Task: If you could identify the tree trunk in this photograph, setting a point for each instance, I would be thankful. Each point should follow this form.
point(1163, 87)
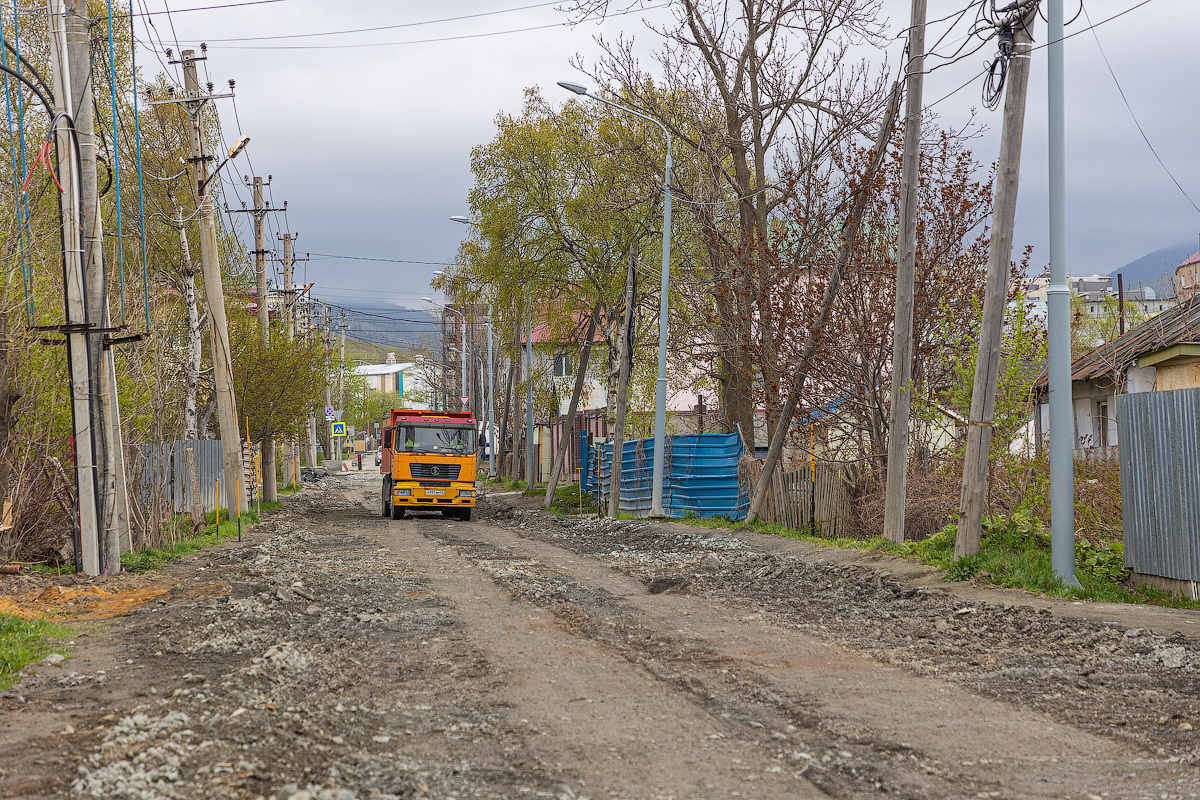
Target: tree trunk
point(858, 205)
point(568, 427)
point(191, 362)
point(504, 415)
point(626, 355)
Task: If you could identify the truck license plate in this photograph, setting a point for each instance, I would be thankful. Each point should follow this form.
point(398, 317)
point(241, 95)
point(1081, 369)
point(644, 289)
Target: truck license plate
point(434, 491)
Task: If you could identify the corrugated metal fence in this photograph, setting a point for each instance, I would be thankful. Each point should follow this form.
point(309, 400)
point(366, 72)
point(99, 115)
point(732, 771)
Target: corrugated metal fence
point(700, 475)
point(1160, 482)
point(164, 468)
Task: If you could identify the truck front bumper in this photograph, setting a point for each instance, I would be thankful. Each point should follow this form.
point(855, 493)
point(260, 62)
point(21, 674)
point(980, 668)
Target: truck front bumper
point(411, 494)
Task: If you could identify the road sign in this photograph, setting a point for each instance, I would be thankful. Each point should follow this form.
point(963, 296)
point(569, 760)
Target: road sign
point(339, 429)
point(465, 401)
point(330, 418)
point(337, 414)
point(329, 411)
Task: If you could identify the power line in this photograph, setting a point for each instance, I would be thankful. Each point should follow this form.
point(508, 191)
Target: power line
point(428, 41)
point(328, 256)
point(381, 27)
point(198, 8)
point(1133, 116)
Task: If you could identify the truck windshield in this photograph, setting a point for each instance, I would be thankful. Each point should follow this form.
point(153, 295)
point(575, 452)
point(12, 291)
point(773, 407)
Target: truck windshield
point(459, 440)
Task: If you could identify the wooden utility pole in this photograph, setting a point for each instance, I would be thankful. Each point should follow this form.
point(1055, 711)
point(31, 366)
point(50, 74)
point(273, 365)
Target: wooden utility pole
point(568, 426)
point(995, 298)
point(858, 205)
point(899, 433)
point(214, 291)
point(626, 354)
point(83, 411)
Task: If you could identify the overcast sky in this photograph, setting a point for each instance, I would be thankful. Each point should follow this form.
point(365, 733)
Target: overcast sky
point(370, 145)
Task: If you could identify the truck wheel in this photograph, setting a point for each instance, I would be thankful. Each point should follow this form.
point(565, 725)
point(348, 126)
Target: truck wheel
point(387, 499)
point(465, 514)
point(397, 512)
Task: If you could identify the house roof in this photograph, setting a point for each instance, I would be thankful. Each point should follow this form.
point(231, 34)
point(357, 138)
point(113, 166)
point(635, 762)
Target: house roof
point(382, 369)
point(1175, 325)
point(1192, 259)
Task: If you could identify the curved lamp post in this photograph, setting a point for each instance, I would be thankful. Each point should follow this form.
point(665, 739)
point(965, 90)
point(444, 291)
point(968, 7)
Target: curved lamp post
point(660, 396)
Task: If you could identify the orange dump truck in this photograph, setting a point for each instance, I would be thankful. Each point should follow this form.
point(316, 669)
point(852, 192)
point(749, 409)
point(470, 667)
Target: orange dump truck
point(428, 463)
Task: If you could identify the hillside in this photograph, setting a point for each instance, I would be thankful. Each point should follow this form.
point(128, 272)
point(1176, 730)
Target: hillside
point(1156, 269)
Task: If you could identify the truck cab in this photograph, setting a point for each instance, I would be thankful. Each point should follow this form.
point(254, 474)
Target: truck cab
point(428, 462)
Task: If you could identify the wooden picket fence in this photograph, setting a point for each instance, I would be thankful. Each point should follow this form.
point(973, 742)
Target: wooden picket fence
point(789, 498)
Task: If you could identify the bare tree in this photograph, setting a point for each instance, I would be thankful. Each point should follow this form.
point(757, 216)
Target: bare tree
point(751, 88)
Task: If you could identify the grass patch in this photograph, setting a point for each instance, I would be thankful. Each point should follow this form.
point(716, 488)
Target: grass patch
point(1014, 553)
point(567, 500)
point(152, 558)
point(23, 641)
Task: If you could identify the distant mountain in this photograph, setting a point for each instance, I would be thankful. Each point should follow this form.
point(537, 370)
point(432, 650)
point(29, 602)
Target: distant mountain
point(1157, 269)
point(389, 325)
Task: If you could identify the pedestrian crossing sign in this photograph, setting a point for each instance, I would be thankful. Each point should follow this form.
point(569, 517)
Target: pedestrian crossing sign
point(339, 429)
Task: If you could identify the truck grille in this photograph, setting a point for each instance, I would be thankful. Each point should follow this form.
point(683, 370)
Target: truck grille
point(437, 471)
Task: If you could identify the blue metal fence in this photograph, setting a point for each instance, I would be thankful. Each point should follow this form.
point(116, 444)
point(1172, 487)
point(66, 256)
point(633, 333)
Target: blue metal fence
point(700, 475)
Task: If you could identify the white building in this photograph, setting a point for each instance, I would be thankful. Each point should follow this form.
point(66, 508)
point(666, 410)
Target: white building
point(405, 378)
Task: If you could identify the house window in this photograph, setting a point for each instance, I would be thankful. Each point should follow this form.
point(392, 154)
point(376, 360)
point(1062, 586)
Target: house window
point(1102, 424)
point(563, 368)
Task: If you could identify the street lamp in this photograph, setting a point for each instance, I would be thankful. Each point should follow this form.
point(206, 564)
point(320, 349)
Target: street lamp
point(459, 218)
point(660, 397)
point(234, 151)
point(463, 371)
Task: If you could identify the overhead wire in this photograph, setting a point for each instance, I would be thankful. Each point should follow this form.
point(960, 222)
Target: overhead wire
point(382, 27)
point(17, 195)
point(116, 165)
point(137, 132)
point(459, 37)
point(1133, 116)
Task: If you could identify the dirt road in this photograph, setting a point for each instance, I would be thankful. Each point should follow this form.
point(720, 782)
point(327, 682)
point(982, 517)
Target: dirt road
point(336, 655)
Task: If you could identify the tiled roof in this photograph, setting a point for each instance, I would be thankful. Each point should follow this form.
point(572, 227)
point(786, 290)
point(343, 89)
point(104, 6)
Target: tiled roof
point(1192, 259)
point(1175, 325)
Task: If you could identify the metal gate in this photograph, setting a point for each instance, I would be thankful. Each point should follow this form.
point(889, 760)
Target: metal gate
point(1160, 482)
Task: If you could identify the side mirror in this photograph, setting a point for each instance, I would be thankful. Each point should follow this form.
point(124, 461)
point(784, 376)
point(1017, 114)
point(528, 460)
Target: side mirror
point(387, 437)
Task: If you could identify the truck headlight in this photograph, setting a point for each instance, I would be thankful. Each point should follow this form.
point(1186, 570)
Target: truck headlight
point(466, 492)
point(402, 492)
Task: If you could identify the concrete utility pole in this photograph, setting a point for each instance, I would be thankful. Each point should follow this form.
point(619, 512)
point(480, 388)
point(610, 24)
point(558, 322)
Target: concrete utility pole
point(289, 302)
point(327, 335)
point(991, 330)
point(341, 378)
point(906, 268)
point(214, 292)
point(109, 457)
point(83, 412)
point(1058, 313)
point(259, 212)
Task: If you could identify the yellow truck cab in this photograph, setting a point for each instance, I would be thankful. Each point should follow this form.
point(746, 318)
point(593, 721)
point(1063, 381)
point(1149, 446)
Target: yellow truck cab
point(428, 463)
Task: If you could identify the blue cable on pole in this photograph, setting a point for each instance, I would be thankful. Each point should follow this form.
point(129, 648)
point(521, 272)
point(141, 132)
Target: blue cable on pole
point(137, 137)
point(23, 201)
point(16, 175)
point(112, 85)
